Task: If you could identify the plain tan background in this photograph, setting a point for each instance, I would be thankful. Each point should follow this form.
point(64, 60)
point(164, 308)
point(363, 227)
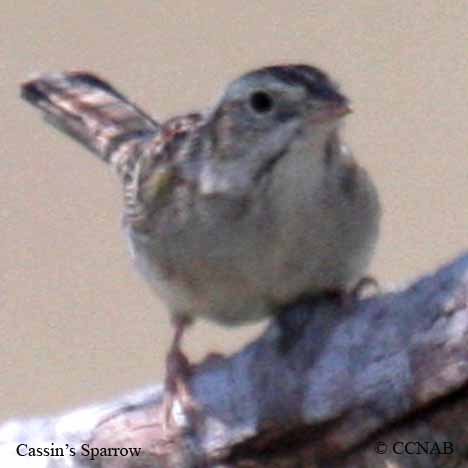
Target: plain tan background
point(77, 324)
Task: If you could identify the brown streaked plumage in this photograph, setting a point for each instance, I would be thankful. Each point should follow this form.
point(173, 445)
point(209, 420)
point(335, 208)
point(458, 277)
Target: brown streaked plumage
point(89, 109)
point(237, 212)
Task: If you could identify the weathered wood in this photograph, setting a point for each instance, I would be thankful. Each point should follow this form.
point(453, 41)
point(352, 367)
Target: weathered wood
point(352, 379)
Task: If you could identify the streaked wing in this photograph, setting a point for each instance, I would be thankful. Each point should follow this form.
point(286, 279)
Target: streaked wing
point(89, 110)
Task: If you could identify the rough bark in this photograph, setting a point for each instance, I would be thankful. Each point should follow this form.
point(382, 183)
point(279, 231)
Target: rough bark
point(331, 387)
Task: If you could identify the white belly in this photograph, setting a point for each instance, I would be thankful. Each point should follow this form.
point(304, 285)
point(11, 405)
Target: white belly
point(238, 271)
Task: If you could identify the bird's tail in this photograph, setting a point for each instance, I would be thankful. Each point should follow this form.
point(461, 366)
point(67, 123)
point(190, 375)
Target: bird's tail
point(89, 110)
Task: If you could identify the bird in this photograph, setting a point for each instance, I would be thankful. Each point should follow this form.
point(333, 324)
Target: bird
point(234, 212)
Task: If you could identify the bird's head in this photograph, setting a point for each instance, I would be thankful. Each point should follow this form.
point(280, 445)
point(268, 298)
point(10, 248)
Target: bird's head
point(266, 115)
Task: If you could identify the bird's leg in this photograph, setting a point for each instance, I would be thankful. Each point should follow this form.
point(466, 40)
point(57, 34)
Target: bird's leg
point(178, 372)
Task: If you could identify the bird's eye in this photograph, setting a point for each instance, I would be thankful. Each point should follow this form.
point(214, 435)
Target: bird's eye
point(261, 102)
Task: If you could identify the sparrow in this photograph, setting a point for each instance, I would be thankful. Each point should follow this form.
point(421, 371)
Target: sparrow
point(234, 212)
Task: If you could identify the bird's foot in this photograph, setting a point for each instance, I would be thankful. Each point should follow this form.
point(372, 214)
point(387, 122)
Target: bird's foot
point(347, 298)
point(292, 324)
point(180, 411)
point(179, 408)
point(362, 287)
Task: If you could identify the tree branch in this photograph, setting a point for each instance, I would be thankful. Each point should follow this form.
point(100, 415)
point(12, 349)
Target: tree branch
point(330, 387)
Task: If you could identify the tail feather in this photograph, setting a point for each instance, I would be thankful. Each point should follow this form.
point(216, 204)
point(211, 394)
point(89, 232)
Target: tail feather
point(89, 110)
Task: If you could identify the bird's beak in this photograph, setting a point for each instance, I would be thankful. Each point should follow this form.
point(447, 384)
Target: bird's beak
point(331, 110)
